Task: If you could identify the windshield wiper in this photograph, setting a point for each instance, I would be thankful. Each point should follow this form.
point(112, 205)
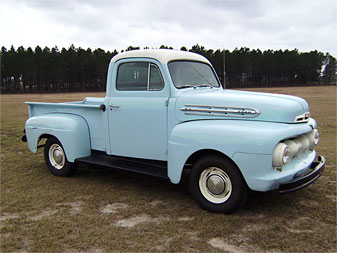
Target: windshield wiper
point(204, 85)
point(195, 86)
point(186, 86)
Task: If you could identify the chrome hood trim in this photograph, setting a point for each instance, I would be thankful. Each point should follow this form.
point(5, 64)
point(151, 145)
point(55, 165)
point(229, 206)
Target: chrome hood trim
point(224, 111)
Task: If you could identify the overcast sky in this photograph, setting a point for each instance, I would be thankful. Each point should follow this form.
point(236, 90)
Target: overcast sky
point(116, 24)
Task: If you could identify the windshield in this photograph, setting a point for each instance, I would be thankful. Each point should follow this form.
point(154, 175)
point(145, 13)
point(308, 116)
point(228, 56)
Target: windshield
point(186, 74)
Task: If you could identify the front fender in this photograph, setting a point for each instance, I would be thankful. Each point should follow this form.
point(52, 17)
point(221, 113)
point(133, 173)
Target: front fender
point(71, 130)
point(228, 137)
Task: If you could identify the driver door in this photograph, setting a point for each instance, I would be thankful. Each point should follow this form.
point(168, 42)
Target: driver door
point(138, 111)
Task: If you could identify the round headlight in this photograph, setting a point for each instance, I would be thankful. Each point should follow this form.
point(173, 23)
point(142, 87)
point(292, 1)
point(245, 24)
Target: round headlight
point(280, 155)
point(316, 135)
point(305, 142)
point(285, 157)
point(299, 144)
point(313, 138)
point(293, 148)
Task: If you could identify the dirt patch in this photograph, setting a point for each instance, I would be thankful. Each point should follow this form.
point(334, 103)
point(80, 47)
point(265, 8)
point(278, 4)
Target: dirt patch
point(253, 215)
point(309, 203)
point(298, 226)
point(164, 244)
point(254, 227)
point(245, 242)
point(160, 219)
point(26, 243)
point(113, 208)
point(46, 213)
point(72, 250)
point(131, 222)
point(156, 203)
point(185, 218)
point(219, 243)
point(194, 236)
point(8, 216)
point(332, 197)
point(7, 235)
point(299, 231)
point(75, 207)
point(86, 197)
point(143, 218)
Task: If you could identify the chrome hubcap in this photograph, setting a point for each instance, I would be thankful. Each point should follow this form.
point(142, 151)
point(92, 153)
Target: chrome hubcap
point(215, 185)
point(56, 156)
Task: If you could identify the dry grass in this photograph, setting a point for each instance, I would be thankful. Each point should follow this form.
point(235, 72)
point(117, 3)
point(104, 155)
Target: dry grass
point(102, 210)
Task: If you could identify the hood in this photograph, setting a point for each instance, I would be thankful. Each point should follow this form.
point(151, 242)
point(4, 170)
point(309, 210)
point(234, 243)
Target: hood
point(205, 103)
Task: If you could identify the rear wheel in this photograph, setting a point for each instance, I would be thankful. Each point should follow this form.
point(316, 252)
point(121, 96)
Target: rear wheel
point(56, 158)
point(217, 185)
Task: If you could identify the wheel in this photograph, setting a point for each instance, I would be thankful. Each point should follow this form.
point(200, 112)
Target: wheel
point(56, 159)
point(217, 185)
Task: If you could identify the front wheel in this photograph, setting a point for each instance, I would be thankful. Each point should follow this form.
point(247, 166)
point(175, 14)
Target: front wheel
point(56, 159)
point(217, 185)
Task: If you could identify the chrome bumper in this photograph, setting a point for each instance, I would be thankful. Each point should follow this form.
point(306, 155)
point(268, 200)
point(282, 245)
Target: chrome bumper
point(315, 171)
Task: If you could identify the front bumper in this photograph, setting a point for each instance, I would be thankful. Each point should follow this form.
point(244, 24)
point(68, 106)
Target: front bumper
point(315, 171)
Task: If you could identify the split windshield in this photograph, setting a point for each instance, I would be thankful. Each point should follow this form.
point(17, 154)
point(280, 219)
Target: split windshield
point(186, 74)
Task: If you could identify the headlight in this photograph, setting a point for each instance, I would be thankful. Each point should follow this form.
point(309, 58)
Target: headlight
point(299, 144)
point(280, 155)
point(305, 142)
point(316, 134)
point(293, 148)
point(313, 138)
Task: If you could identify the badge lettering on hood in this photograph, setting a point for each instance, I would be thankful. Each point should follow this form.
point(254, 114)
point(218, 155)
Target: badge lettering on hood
point(224, 111)
point(302, 118)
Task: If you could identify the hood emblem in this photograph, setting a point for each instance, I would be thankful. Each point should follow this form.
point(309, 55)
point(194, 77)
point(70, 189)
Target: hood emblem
point(302, 118)
point(224, 111)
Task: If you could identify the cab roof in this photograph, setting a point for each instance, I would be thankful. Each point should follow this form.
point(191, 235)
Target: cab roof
point(162, 55)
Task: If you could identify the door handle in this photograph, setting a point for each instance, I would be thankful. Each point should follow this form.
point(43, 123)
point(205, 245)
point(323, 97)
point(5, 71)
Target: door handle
point(113, 106)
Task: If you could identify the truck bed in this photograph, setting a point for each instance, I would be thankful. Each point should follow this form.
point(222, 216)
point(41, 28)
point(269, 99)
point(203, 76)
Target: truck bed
point(89, 109)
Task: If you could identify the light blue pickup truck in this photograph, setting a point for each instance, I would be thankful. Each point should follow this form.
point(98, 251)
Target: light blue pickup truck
point(165, 111)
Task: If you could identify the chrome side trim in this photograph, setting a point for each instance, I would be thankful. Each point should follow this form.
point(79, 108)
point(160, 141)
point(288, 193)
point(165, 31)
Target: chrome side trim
point(216, 110)
point(113, 106)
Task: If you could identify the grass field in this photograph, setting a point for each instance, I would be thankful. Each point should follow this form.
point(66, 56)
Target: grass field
point(102, 210)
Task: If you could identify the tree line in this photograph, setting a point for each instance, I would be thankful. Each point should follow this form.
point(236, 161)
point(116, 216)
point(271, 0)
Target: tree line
point(77, 70)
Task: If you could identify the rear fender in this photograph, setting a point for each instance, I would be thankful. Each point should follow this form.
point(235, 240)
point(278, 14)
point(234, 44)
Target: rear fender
point(71, 130)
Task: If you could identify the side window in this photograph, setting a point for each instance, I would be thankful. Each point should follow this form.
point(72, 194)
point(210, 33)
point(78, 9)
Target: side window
point(156, 79)
point(132, 76)
point(139, 76)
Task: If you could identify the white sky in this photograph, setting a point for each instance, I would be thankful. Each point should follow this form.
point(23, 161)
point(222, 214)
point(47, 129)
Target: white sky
point(116, 24)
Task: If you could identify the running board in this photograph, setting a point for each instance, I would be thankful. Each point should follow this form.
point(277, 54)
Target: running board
point(142, 166)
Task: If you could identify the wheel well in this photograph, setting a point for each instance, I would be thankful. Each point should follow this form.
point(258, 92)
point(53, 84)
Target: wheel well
point(205, 152)
point(44, 136)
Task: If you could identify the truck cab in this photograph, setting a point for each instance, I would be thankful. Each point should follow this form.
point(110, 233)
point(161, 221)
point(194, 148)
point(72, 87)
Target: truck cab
point(165, 111)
